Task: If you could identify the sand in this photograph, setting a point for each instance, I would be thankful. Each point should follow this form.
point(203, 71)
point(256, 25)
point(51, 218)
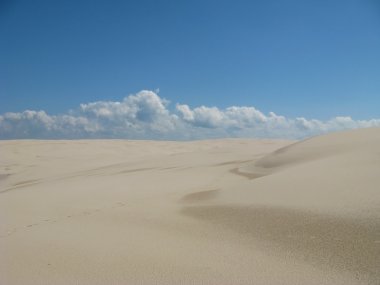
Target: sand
point(232, 211)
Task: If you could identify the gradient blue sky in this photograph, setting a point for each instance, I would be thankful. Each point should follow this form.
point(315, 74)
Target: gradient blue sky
point(317, 59)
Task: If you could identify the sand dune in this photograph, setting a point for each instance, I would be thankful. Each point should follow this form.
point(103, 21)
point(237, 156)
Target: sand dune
point(204, 212)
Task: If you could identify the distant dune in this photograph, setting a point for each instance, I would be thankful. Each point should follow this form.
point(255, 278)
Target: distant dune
point(233, 211)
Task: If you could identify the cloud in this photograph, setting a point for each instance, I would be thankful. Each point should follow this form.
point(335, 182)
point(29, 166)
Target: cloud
point(145, 115)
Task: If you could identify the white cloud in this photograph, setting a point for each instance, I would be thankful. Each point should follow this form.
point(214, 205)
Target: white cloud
point(147, 116)
point(202, 116)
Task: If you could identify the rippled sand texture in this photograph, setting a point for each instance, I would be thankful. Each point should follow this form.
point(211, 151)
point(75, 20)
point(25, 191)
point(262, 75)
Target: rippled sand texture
point(204, 212)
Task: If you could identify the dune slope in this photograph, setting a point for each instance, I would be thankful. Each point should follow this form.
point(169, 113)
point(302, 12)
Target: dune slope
point(317, 200)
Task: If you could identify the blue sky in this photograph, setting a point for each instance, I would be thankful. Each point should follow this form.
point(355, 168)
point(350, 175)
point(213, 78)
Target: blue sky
point(313, 59)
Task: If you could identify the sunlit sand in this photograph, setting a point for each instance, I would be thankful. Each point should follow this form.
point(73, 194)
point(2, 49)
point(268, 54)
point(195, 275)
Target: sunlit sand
point(230, 211)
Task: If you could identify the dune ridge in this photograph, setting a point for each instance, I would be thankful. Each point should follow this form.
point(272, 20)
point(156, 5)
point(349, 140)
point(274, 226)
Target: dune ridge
point(343, 233)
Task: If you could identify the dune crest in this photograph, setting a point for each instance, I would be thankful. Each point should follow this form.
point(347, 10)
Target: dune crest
point(317, 200)
point(362, 141)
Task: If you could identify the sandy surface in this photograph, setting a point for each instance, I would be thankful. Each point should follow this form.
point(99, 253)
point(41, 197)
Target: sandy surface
point(204, 212)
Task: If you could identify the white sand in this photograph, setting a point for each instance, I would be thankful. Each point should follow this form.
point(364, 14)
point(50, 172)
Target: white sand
point(205, 212)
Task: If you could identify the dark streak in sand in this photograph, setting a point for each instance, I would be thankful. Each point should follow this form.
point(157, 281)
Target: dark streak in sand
point(4, 176)
point(246, 174)
point(200, 196)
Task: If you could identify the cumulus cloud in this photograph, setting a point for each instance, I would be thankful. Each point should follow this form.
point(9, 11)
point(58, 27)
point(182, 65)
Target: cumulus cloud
point(145, 115)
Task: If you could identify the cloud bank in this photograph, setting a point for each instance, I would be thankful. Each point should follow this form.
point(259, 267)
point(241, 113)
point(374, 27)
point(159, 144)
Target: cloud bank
point(145, 115)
